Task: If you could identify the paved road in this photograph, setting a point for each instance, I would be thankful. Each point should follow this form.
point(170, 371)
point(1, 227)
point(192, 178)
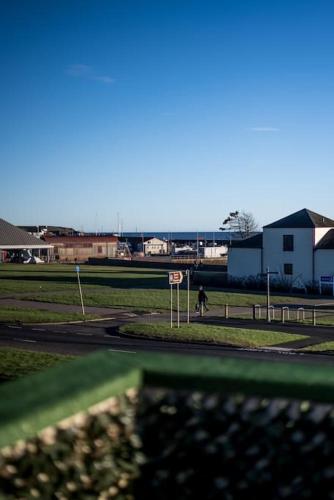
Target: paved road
point(81, 339)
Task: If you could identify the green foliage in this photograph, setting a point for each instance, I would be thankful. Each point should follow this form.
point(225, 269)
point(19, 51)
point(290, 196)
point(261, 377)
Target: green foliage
point(210, 445)
point(96, 454)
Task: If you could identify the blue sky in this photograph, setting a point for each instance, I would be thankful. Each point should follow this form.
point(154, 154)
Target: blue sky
point(168, 113)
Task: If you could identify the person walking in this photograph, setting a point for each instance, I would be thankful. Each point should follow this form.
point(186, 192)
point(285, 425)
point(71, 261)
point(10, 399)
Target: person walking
point(202, 300)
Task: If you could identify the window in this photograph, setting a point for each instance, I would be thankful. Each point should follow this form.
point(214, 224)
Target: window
point(287, 242)
point(99, 249)
point(288, 269)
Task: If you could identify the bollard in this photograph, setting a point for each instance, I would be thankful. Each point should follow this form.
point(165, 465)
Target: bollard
point(283, 309)
point(226, 311)
point(256, 307)
point(300, 310)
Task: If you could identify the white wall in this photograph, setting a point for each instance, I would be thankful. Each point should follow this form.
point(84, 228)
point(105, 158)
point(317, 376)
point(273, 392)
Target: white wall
point(155, 246)
point(324, 263)
point(244, 262)
point(320, 233)
point(212, 252)
point(301, 257)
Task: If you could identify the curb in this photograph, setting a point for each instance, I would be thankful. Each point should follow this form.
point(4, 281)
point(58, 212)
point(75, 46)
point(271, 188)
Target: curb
point(232, 347)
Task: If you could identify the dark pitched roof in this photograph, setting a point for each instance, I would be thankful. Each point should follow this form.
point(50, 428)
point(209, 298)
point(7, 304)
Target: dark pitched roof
point(326, 242)
point(55, 240)
point(252, 242)
point(13, 237)
point(302, 219)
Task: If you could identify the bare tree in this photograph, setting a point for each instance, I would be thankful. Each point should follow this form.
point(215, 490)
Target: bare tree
point(242, 223)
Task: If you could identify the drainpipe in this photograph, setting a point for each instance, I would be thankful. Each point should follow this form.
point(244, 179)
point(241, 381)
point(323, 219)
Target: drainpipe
point(262, 255)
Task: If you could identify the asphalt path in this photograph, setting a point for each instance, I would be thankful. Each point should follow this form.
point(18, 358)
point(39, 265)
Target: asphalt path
point(84, 338)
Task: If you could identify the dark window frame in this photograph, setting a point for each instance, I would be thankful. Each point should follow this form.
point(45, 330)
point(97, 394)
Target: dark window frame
point(288, 269)
point(288, 242)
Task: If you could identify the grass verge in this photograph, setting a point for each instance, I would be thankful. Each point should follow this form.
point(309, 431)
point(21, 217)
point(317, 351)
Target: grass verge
point(15, 363)
point(18, 314)
point(324, 346)
point(211, 334)
point(110, 286)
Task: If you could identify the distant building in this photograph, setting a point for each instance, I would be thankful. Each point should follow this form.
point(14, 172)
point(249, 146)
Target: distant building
point(40, 230)
point(146, 245)
point(212, 252)
point(17, 245)
point(81, 248)
point(155, 246)
point(299, 247)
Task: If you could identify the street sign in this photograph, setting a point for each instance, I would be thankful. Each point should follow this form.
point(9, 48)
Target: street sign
point(77, 269)
point(175, 277)
point(327, 279)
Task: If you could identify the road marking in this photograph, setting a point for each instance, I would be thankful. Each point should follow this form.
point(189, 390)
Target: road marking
point(270, 350)
point(18, 327)
point(39, 329)
point(130, 315)
point(25, 340)
point(119, 350)
point(85, 334)
point(112, 336)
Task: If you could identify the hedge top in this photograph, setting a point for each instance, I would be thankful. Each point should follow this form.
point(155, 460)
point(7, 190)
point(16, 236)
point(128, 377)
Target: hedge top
point(37, 401)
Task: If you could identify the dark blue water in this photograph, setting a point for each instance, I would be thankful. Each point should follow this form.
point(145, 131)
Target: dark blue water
point(188, 235)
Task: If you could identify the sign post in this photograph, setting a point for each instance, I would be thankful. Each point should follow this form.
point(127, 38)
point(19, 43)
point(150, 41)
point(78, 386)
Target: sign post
point(171, 306)
point(188, 295)
point(175, 278)
point(77, 269)
point(326, 281)
point(178, 304)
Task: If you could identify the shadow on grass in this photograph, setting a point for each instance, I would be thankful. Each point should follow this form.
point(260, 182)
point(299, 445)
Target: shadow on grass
point(41, 270)
point(157, 282)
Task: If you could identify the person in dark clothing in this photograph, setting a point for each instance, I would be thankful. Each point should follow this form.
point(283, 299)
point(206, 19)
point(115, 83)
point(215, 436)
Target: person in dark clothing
point(202, 300)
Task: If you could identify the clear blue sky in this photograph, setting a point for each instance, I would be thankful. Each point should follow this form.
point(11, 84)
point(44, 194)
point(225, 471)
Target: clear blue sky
point(170, 113)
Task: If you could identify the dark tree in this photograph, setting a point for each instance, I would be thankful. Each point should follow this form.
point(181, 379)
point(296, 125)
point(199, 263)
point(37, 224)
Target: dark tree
point(242, 223)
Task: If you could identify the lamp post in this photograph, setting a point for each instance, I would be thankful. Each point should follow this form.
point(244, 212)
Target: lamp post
point(267, 274)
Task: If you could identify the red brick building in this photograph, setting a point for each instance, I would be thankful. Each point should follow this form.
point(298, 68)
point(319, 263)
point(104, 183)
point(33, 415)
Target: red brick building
point(80, 248)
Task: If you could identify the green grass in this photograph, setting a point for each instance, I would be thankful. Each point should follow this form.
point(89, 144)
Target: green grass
point(15, 363)
point(211, 334)
point(324, 346)
point(108, 286)
point(18, 314)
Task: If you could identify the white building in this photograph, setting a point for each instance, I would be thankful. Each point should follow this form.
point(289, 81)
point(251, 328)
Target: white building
point(299, 247)
point(213, 252)
point(155, 246)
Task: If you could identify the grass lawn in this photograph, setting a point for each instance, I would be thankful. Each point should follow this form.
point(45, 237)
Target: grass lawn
point(18, 314)
point(15, 363)
point(211, 334)
point(108, 286)
point(324, 346)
